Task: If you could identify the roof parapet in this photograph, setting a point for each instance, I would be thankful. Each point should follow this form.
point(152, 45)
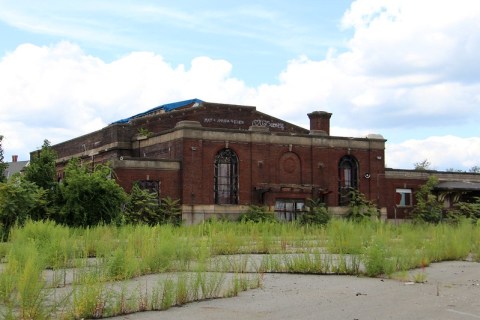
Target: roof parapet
point(188, 124)
point(375, 136)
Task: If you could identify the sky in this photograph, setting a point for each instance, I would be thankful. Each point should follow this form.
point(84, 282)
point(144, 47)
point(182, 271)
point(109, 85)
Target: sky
point(406, 69)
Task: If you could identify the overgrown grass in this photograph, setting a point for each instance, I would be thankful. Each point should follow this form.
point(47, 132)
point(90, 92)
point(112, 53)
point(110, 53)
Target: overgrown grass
point(51, 271)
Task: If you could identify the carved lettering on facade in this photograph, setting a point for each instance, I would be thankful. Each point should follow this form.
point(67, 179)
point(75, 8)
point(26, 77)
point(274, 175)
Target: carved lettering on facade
point(267, 123)
point(224, 121)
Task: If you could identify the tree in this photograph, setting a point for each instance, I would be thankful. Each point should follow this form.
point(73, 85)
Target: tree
point(422, 165)
point(19, 200)
point(87, 199)
point(42, 172)
point(3, 165)
point(474, 169)
point(41, 169)
point(427, 207)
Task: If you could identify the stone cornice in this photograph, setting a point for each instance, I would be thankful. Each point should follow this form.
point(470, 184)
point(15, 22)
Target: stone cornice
point(193, 131)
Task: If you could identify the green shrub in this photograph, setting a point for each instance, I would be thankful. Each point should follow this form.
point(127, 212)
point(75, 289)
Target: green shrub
point(317, 213)
point(170, 211)
point(258, 214)
point(142, 207)
point(470, 210)
point(360, 208)
point(427, 207)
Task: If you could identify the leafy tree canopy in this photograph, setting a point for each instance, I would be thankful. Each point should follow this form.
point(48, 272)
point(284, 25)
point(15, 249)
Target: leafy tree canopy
point(41, 170)
point(3, 165)
point(90, 198)
point(422, 165)
point(19, 200)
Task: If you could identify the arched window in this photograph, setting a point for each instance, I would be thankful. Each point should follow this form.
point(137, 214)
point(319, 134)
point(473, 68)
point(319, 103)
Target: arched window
point(226, 177)
point(347, 179)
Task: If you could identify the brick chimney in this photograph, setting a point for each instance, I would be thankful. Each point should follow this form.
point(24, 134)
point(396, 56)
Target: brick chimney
point(320, 122)
point(14, 158)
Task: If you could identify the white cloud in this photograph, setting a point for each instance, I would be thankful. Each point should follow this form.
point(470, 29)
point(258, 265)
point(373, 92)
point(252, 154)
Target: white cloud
point(443, 152)
point(409, 67)
point(58, 92)
point(397, 37)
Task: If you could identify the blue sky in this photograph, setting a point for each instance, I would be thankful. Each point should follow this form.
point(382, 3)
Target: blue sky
point(407, 70)
point(253, 36)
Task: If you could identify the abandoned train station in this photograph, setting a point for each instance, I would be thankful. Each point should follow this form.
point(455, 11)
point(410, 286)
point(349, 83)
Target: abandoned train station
point(219, 158)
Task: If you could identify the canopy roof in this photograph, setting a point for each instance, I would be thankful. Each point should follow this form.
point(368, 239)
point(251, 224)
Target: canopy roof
point(458, 186)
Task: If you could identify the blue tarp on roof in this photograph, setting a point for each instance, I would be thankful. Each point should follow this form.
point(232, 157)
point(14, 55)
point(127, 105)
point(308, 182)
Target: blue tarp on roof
point(166, 107)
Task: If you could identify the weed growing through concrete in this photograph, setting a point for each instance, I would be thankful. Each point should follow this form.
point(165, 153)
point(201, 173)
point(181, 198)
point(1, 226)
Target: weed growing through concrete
point(51, 271)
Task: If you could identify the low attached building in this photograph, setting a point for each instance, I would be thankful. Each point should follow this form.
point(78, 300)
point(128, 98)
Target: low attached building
point(401, 185)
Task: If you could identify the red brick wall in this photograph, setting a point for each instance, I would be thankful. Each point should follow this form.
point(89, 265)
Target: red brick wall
point(320, 121)
point(265, 164)
point(389, 195)
point(289, 169)
point(94, 140)
point(169, 180)
point(216, 116)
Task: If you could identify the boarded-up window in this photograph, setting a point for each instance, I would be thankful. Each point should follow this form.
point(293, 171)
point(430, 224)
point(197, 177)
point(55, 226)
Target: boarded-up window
point(403, 197)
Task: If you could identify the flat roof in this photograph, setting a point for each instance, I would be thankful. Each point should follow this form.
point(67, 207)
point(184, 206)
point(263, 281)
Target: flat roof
point(458, 186)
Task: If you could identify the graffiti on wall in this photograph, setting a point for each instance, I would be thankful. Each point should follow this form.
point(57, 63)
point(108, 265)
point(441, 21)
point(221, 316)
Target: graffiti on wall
point(256, 122)
point(268, 123)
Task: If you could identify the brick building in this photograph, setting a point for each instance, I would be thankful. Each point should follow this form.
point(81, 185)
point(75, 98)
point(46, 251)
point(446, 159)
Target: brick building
point(220, 158)
point(401, 185)
point(15, 167)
